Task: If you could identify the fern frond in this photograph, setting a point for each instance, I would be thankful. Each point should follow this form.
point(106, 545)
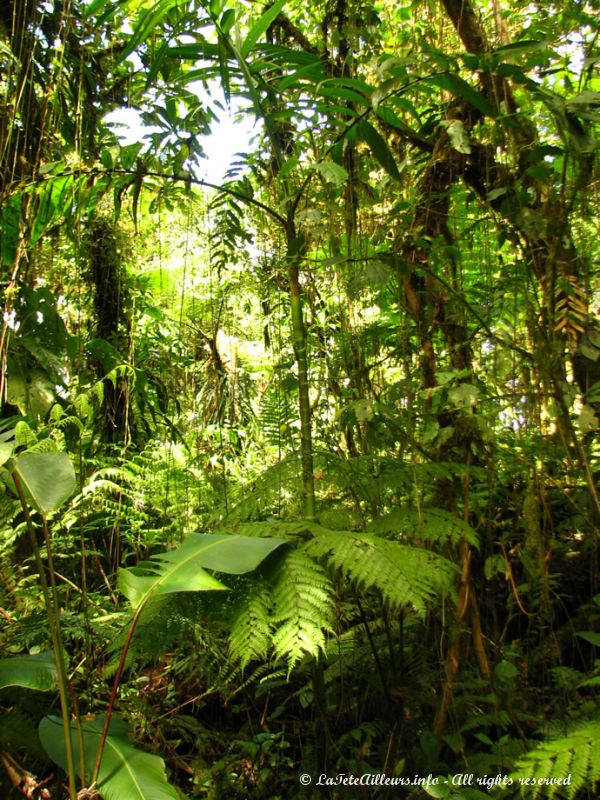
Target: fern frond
point(303, 607)
point(24, 436)
point(47, 445)
point(427, 525)
point(289, 611)
point(405, 576)
point(263, 496)
point(571, 759)
point(250, 636)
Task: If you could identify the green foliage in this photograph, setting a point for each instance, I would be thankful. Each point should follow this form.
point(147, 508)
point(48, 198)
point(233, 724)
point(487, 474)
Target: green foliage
point(571, 759)
point(49, 478)
point(125, 772)
point(183, 569)
point(405, 576)
point(404, 257)
point(289, 612)
point(31, 671)
point(433, 525)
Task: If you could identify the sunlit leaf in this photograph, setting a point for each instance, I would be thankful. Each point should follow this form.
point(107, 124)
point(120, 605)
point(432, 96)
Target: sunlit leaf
point(49, 478)
point(259, 27)
point(183, 569)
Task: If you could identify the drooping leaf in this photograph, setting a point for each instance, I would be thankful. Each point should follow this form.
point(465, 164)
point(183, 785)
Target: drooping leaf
point(464, 91)
point(49, 478)
point(147, 23)
point(379, 148)
point(6, 449)
point(29, 671)
point(571, 760)
point(56, 198)
point(303, 607)
point(590, 636)
point(126, 773)
point(9, 225)
point(458, 136)
point(426, 525)
point(259, 27)
point(183, 569)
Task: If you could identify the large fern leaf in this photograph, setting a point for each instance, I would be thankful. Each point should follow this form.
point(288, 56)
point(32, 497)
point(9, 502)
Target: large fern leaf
point(303, 607)
point(250, 636)
point(572, 758)
point(289, 611)
point(405, 576)
point(428, 525)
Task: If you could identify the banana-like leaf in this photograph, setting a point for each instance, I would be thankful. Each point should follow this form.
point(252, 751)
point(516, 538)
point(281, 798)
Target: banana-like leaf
point(30, 671)
point(183, 570)
point(125, 772)
point(49, 478)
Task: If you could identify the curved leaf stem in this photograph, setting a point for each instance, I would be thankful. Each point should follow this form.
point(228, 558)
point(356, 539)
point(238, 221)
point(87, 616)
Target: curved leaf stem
point(52, 610)
point(115, 689)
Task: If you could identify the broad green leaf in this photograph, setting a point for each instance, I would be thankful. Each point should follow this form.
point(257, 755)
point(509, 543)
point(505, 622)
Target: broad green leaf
point(6, 449)
point(126, 773)
point(257, 30)
point(29, 671)
point(183, 569)
point(587, 420)
point(48, 477)
point(332, 172)
point(524, 46)
point(9, 225)
point(590, 636)
point(379, 148)
point(464, 395)
point(463, 90)
point(56, 198)
point(506, 670)
point(195, 51)
point(496, 193)
point(363, 410)
point(343, 93)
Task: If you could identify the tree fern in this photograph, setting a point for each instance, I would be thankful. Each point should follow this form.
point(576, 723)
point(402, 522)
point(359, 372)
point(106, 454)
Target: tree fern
point(573, 758)
point(302, 607)
point(428, 525)
point(405, 576)
point(277, 416)
point(278, 484)
point(289, 611)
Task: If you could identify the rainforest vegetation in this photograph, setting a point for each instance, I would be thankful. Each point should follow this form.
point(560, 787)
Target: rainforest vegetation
point(299, 467)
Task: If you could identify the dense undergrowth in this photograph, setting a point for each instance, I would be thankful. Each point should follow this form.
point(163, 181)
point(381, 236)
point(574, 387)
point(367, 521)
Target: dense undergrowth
point(299, 466)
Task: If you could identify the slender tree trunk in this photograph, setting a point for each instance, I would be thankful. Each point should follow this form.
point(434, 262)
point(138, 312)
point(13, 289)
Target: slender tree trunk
point(299, 338)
